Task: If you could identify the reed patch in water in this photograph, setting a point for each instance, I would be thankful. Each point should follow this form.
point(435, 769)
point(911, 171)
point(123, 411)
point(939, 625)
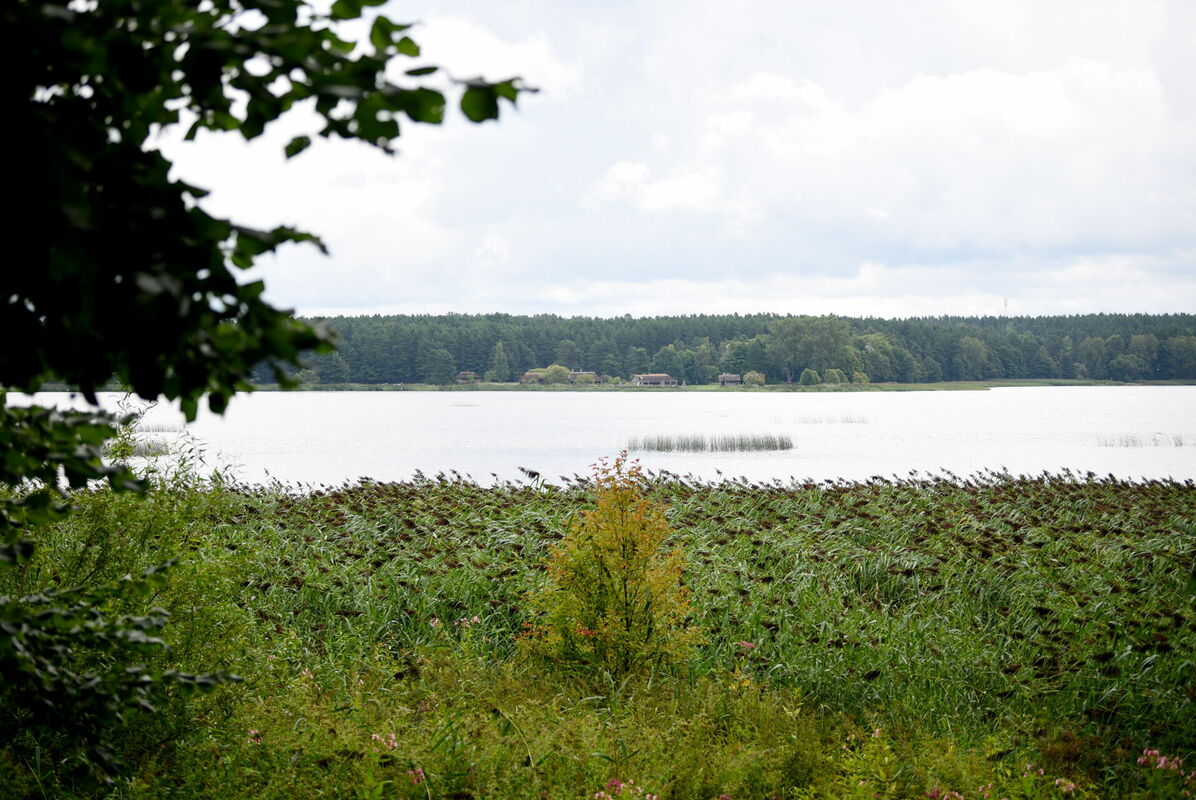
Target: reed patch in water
point(1143, 440)
point(702, 443)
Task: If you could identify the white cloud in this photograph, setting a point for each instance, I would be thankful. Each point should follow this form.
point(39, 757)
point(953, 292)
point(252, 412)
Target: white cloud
point(1067, 286)
point(934, 156)
point(983, 159)
point(494, 250)
point(469, 49)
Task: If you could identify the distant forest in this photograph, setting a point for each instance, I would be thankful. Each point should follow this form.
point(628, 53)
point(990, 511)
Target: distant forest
point(696, 349)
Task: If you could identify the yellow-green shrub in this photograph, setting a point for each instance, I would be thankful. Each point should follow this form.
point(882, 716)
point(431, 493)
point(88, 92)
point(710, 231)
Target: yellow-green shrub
point(614, 598)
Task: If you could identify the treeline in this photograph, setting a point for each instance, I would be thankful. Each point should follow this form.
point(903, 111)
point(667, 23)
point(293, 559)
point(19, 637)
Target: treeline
point(696, 349)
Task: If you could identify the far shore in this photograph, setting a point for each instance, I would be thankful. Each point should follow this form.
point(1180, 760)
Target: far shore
point(483, 386)
point(943, 386)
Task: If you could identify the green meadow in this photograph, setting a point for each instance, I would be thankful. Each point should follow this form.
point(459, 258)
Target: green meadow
point(990, 637)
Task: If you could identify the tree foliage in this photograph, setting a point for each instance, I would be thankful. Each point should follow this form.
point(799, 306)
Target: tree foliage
point(116, 271)
point(697, 348)
point(112, 247)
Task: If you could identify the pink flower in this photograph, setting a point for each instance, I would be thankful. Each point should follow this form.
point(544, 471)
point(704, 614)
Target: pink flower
point(254, 736)
point(417, 776)
point(746, 645)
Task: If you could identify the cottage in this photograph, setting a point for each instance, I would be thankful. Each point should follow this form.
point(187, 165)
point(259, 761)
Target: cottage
point(533, 376)
point(467, 376)
point(653, 379)
point(729, 379)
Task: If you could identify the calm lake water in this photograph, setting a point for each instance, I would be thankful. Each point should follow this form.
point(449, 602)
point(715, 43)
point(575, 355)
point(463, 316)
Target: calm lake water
point(330, 437)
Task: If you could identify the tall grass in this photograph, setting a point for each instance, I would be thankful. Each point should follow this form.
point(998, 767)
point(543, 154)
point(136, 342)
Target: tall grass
point(919, 636)
point(702, 443)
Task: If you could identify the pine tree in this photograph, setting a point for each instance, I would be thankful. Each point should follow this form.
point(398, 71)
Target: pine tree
point(500, 368)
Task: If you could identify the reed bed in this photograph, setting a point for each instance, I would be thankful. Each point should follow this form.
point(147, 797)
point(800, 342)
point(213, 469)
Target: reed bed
point(1143, 440)
point(159, 427)
point(151, 448)
point(703, 443)
point(902, 639)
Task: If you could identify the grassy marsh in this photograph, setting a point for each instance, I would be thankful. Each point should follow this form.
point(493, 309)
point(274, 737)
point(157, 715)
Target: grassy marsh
point(922, 636)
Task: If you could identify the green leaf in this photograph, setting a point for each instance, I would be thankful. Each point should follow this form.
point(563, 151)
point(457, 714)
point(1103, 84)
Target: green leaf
point(297, 146)
point(17, 552)
point(480, 103)
point(380, 33)
point(421, 105)
point(346, 9)
point(421, 71)
point(509, 90)
point(408, 47)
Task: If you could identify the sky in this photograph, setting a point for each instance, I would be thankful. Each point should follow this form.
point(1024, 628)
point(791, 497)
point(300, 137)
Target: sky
point(809, 157)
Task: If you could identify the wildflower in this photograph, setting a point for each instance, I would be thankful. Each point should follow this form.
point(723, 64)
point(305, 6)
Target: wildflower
point(746, 645)
point(1065, 785)
point(306, 673)
point(417, 776)
point(584, 632)
point(876, 733)
point(254, 736)
point(389, 740)
point(434, 622)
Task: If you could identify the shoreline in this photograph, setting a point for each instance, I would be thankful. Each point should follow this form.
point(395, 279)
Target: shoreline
point(944, 386)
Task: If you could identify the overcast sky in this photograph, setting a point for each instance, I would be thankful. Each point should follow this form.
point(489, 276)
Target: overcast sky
point(809, 157)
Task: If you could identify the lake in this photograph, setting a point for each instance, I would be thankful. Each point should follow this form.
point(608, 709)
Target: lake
point(331, 437)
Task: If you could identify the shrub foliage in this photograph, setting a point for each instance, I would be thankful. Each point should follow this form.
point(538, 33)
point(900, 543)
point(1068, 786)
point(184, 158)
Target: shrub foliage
point(614, 598)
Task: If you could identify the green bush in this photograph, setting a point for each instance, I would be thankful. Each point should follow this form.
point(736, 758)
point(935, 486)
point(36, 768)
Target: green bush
point(614, 599)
